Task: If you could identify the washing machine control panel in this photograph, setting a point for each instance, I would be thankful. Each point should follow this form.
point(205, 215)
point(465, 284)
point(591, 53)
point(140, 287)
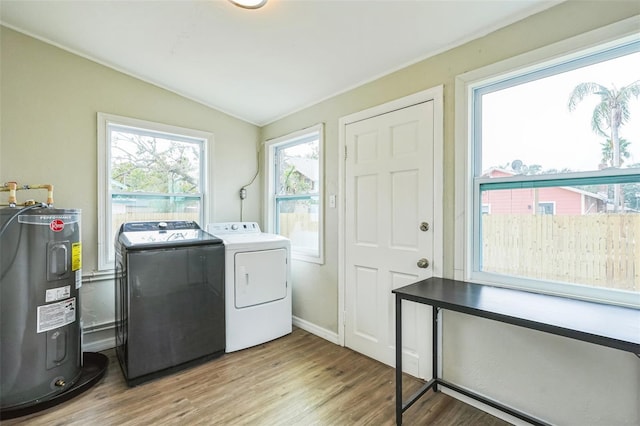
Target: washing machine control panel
point(168, 225)
point(233, 228)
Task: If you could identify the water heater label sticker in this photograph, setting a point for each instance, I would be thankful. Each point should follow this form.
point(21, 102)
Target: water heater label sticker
point(56, 315)
point(78, 279)
point(76, 256)
point(59, 293)
point(47, 219)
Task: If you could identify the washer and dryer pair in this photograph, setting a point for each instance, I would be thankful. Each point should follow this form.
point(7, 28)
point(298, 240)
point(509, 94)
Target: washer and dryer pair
point(257, 284)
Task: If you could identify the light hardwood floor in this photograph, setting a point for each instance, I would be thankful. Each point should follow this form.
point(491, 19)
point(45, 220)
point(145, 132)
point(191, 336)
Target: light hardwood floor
point(299, 379)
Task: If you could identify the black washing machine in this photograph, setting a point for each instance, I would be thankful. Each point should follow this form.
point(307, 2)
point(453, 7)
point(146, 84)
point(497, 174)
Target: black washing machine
point(169, 298)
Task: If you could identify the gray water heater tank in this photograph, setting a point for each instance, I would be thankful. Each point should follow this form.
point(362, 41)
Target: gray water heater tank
point(40, 278)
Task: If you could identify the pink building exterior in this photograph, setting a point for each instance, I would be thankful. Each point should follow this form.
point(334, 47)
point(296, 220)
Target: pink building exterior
point(553, 200)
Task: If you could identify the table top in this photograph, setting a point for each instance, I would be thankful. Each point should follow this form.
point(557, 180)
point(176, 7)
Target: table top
point(608, 325)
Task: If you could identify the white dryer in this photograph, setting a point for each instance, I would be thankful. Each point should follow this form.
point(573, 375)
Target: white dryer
point(257, 284)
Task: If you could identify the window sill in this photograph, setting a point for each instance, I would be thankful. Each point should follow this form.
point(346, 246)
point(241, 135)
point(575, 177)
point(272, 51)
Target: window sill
point(601, 295)
point(598, 323)
point(307, 258)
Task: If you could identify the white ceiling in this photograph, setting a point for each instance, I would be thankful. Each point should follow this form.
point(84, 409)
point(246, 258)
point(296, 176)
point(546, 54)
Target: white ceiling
point(260, 65)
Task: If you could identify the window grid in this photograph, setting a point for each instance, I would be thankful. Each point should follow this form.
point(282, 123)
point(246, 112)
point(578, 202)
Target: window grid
point(295, 187)
point(483, 184)
point(170, 185)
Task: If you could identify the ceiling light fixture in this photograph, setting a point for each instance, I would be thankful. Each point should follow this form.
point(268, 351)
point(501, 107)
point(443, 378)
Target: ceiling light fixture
point(249, 4)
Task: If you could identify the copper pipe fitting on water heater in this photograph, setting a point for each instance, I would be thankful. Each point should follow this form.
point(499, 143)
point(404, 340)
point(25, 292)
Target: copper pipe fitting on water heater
point(12, 187)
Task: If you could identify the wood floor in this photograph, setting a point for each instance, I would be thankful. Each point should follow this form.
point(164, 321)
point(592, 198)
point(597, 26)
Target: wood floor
point(299, 379)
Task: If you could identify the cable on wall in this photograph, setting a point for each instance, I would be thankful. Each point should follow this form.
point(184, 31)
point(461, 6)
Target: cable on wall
point(243, 190)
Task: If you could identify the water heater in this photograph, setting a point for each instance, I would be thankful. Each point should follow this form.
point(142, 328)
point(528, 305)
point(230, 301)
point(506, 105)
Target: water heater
point(40, 278)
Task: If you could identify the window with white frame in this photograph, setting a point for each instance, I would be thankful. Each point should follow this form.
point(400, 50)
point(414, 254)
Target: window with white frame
point(147, 171)
point(546, 207)
point(555, 150)
point(294, 188)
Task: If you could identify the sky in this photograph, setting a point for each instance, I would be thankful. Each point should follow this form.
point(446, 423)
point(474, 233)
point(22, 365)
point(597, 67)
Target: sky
point(532, 123)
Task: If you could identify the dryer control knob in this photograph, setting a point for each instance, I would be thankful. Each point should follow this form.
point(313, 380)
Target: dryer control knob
point(234, 226)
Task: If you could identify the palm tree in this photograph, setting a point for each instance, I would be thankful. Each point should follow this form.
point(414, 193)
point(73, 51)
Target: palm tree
point(607, 151)
point(609, 114)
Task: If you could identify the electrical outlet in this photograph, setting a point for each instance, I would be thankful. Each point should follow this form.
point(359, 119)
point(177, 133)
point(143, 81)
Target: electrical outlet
point(332, 201)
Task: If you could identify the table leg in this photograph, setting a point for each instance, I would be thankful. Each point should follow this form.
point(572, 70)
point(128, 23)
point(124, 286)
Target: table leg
point(434, 345)
point(398, 360)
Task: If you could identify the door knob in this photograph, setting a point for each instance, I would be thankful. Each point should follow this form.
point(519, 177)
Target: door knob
point(424, 226)
point(423, 263)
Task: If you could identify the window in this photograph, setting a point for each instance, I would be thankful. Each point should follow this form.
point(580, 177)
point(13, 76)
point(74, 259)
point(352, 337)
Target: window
point(147, 171)
point(294, 187)
point(548, 207)
point(554, 150)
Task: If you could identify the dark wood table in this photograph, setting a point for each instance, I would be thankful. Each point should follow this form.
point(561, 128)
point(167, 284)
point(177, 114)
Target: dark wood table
point(607, 325)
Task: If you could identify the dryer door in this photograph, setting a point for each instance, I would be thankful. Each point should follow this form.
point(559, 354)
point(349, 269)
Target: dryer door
point(260, 277)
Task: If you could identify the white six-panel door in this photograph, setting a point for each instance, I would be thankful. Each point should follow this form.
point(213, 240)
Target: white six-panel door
point(388, 195)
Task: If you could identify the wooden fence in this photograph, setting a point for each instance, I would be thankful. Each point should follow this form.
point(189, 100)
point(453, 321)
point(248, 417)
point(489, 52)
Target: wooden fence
point(299, 222)
point(288, 221)
point(601, 250)
point(119, 218)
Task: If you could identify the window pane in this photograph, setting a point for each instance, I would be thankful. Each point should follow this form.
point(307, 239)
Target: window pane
point(152, 171)
point(298, 220)
point(564, 234)
point(531, 128)
point(299, 168)
point(131, 208)
point(143, 162)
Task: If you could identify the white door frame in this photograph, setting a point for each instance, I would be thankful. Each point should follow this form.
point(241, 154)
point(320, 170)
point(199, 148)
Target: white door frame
point(434, 94)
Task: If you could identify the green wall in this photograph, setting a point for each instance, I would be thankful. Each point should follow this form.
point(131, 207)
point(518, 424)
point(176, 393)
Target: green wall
point(555, 24)
point(49, 105)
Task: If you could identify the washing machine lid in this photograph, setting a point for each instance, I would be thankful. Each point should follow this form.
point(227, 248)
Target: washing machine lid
point(155, 234)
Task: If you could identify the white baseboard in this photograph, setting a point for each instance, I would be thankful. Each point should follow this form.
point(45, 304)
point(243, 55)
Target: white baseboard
point(315, 329)
point(484, 407)
point(99, 345)
point(99, 338)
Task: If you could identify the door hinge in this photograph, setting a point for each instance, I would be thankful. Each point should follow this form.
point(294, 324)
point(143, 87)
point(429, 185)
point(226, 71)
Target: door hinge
point(345, 152)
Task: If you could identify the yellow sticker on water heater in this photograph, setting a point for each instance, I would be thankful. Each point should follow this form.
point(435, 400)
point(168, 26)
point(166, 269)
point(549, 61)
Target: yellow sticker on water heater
point(76, 256)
